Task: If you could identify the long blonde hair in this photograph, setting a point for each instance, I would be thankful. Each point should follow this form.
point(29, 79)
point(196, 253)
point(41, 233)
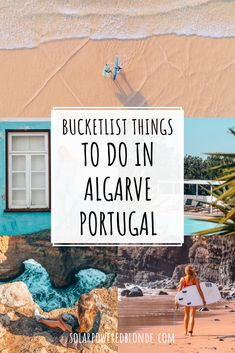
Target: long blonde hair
point(86, 311)
point(190, 273)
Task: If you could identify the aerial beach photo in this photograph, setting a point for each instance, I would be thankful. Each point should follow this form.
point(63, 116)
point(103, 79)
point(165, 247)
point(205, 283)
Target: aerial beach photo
point(165, 68)
point(172, 53)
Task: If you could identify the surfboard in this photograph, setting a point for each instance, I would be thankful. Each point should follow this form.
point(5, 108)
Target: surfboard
point(189, 296)
point(115, 68)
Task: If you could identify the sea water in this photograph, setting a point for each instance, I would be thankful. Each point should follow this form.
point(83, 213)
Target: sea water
point(26, 24)
point(47, 296)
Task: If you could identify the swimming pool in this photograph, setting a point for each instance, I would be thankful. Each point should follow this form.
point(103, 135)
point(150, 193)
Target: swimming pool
point(191, 225)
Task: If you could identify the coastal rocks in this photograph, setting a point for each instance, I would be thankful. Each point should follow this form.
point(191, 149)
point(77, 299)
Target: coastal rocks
point(232, 294)
point(161, 292)
point(61, 263)
point(178, 273)
point(2, 330)
point(125, 292)
point(150, 264)
point(16, 295)
point(204, 309)
point(132, 292)
point(135, 292)
point(213, 258)
point(228, 292)
point(109, 281)
point(144, 277)
point(224, 294)
point(107, 301)
point(21, 333)
point(167, 283)
point(229, 298)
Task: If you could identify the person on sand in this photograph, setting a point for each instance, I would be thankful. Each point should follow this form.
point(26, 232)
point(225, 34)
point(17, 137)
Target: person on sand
point(86, 323)
point(190, 279)
point(107, 70)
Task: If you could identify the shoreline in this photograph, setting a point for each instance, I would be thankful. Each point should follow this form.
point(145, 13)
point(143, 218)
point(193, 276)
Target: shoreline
point(163, 70)
point(87, 38)
point(206, 335)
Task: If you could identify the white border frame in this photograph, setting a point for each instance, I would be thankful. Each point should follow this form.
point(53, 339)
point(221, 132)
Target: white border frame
point(118, 245)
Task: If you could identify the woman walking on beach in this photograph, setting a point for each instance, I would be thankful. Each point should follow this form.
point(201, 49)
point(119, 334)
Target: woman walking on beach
point(190, 279)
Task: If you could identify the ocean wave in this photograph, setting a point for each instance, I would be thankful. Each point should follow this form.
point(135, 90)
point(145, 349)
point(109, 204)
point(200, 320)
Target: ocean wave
point(26, 24)
point(48, 297)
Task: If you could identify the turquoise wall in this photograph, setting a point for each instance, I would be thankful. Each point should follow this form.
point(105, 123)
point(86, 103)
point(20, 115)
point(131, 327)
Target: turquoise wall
point(16, 223)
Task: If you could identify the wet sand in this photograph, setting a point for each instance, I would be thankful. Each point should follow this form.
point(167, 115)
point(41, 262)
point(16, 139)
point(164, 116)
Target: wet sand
point(194, 72)
point(214, 330)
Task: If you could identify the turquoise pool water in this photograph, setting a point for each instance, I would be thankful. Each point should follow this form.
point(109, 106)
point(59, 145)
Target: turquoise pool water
point(191, 225)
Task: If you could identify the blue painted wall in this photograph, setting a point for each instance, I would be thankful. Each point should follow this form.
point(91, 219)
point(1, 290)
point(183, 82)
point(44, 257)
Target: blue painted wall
point(16, 223)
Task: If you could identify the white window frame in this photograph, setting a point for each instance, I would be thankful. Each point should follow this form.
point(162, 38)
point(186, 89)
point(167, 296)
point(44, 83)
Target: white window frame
point(28, 155)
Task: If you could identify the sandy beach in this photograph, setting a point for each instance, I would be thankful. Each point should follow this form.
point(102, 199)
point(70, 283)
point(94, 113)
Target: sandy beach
point(214, 330)
point(168, 70)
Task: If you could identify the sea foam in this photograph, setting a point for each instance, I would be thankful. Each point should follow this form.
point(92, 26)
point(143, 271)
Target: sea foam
point(47, 296)
point(26, 24)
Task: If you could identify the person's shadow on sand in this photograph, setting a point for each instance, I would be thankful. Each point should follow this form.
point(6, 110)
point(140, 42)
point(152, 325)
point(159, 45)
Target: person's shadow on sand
point(127, 95)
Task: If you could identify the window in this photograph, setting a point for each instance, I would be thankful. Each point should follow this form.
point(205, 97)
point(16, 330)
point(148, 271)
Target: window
point(28, 170)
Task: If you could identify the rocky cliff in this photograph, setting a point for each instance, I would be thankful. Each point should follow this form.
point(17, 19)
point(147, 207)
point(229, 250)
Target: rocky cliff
point(61, 263)
point(21, 333)
point(213, 258)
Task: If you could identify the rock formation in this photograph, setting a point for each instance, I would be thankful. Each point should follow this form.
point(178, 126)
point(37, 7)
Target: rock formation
point(61, 263)
point(213, 257)
point(147, 264)
point(21, 333)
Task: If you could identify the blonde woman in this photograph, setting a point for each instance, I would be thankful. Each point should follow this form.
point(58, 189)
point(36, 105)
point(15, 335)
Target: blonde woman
point(86, 321)
point(190, 279)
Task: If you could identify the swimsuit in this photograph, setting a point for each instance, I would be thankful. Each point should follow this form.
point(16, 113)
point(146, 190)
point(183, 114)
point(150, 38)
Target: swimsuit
point(73, 322)
point(185, 283)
